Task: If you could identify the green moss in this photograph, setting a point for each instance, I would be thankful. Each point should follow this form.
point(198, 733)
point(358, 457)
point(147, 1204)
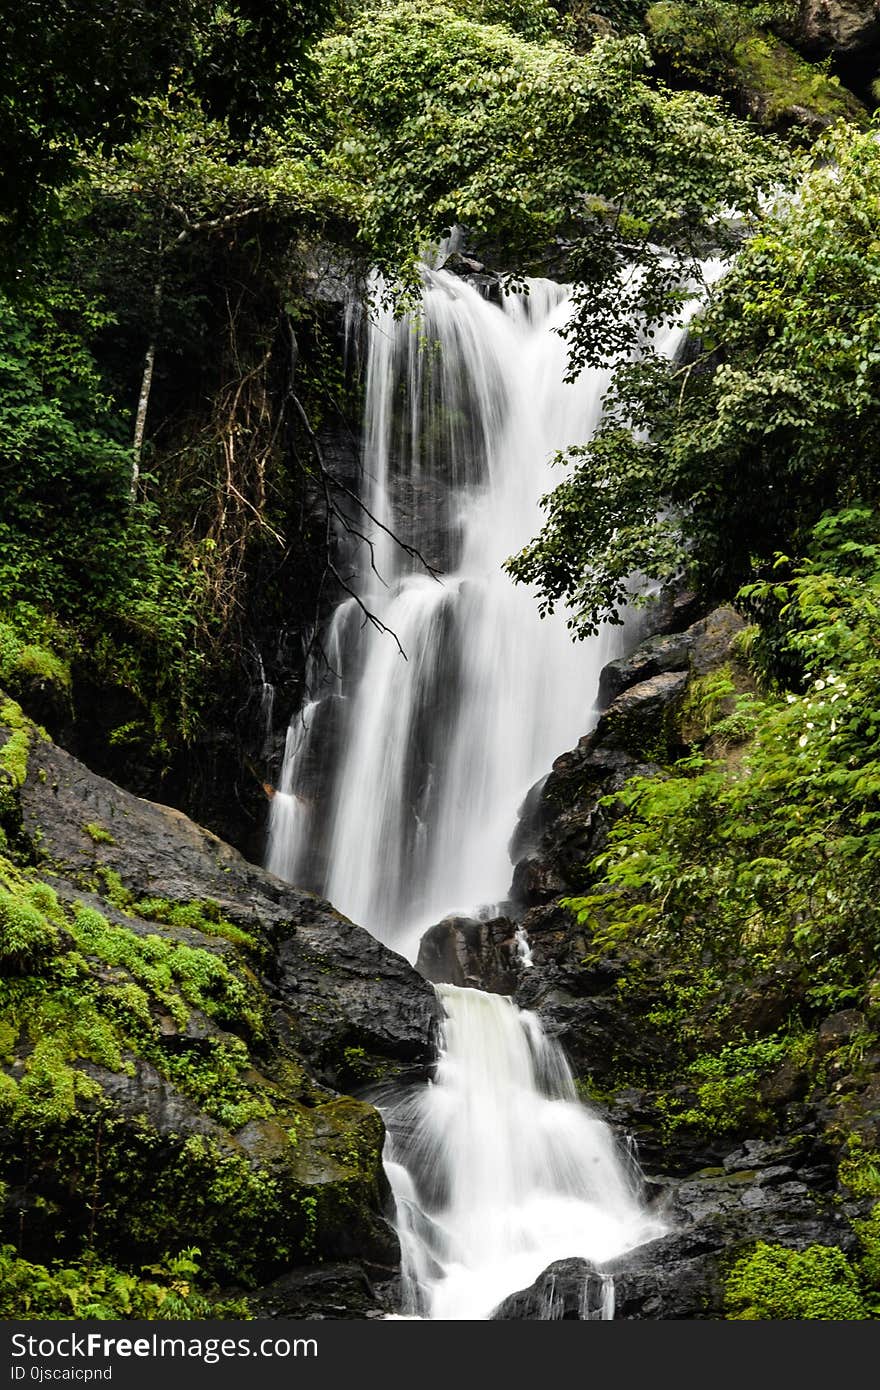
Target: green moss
point(24, 662)
point(708, 698)
point(42, 665)
point(868, 1232)
point(725, 1104)
point(25, 933)
point(646, 737)
point(16, 750)
point(98, 834)
point(716, 45)
point(286, 1174)
point(176, 974)
point(66, 1014)
point(215, 1079)
point(114, 890)
point(772, 1282)
point(859, 1169)
point(198, 915)
point(358, 1067)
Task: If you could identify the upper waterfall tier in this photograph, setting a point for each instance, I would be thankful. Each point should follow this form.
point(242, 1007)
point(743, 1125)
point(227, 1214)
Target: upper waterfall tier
point(402, 778)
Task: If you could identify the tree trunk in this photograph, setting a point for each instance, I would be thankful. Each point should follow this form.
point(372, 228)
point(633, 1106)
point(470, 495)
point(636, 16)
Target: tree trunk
point(141, 420)
point(140, 423)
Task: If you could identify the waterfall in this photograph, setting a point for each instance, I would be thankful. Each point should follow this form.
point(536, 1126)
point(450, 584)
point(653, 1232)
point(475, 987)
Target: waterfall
point(498, 1170)
point(403, 774)
point(402, 778)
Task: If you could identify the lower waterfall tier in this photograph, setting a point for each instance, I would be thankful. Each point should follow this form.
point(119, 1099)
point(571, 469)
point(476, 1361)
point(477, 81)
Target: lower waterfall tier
point(498, 1170)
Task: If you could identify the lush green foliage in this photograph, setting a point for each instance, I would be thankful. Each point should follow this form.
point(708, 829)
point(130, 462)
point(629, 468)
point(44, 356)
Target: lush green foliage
point(92, 1289)
point(137, 139)
point(712, 465)
point(81, 568)
point(74, 74)
point(443, 120)
point(777, 852)
point(776, 1283)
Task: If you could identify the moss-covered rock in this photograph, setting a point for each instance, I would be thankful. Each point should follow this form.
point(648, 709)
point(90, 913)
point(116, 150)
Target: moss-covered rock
point(33, 671)
point(716, 45)
point(163, 1009)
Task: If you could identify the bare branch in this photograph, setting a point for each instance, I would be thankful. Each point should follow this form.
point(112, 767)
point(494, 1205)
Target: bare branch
point(368, 616)
point(260, 518)
point(412, 551)
point(209, 224)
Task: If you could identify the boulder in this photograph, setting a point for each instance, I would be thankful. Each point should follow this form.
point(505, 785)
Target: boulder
point(466, 951)
point(568, 1290)
point(653, 657)
point(843, 27)
point(338, 987)
point(338, 1291)
point(348, 1002)
point(642, 720)
point(535, 881)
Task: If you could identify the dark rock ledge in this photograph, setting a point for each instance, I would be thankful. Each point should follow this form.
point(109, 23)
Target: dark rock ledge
point(296, 1188)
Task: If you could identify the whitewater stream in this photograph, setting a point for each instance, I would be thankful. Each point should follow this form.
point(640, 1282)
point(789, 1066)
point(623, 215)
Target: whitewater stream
point(403, 775)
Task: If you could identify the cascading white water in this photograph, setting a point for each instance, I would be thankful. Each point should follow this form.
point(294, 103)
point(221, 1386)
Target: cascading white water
point(406, 815)
point(496, 1168)
point(402, 778)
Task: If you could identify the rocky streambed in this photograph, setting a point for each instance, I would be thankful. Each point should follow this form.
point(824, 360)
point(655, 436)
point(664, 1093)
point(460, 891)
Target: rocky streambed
point(768, 1160)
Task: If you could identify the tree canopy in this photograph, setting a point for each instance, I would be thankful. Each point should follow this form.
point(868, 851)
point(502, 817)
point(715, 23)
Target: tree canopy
point(439, 118)
point(706, 467)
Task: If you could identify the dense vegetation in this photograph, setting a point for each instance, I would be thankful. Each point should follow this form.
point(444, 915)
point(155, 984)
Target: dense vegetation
point(164, 491)
point(709, 467)
point(185, 186)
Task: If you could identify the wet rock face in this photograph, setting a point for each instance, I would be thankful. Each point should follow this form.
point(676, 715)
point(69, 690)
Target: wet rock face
point(286, 1171)
point(466, 951)
point(843, 27)
point(567, 1291)
point(773, 1191)
point(562, 825)
point(343, 992)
